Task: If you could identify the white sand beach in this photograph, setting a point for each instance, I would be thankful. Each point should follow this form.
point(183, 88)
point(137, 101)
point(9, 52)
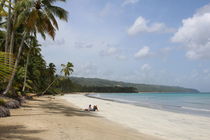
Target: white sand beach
point(158, 123)
point(51, 118)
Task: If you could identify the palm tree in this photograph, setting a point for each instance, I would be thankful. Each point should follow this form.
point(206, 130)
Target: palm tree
point(37, 16)
point(51, 69)
point(33, 48)
point(67, 69)
point(51, 72)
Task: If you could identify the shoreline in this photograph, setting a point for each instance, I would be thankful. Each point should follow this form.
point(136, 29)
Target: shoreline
point(50, 117)
point(165, 124)
point(140, 105)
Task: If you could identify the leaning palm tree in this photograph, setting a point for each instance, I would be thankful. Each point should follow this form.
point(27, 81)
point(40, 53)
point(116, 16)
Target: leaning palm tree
point(51, 72)
point(37, 16)
point(67, 70)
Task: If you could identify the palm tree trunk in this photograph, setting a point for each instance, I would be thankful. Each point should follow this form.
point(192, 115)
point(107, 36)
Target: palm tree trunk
point(16, 64)
point(11, 46)
point(26, 70)
point(49, 86)
point(8, 27)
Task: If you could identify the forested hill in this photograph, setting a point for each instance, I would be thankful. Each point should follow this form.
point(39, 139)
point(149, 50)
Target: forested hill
point(96, 82)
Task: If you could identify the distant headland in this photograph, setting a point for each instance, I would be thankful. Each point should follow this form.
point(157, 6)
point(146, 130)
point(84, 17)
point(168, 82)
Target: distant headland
point(102, 85)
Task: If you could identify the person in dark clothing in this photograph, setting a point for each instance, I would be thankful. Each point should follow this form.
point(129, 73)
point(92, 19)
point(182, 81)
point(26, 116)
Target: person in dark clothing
point(95, 108)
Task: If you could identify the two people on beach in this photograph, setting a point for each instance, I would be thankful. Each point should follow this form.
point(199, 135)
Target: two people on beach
point(90, 108)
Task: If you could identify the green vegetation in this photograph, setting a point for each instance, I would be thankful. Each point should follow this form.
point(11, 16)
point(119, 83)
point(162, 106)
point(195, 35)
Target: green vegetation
point(2, 102)
point(115, 89)
point(67, 69)
point(95, 82)
point(6, 65)
point(65, 85)
point(22, 67)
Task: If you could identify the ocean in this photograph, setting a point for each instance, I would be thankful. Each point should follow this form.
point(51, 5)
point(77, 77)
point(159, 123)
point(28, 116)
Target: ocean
point(187, 103)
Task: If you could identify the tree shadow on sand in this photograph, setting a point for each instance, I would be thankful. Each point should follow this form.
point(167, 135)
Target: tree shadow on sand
point(16, 132)
point(51, 107)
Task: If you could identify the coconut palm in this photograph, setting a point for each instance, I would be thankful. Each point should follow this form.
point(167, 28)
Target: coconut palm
point(37, 16)
point(51, 72)
point(51, 69)
point(33, 49)
point(67, 69)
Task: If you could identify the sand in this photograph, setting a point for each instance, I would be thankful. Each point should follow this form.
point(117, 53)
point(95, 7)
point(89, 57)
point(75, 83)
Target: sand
point(158, 123)
point(52, 118)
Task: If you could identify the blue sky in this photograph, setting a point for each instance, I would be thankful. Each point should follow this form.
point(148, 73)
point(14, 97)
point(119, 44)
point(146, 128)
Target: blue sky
point(164, 42)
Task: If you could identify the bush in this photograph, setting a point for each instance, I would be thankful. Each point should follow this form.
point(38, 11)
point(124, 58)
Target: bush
point(2, 102)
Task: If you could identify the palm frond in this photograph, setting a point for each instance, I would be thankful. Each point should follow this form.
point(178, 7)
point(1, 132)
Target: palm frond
point(22, 18)
point(6, 65)
point(52, 18)
point(3, 13)
point(52, 1)
point(59, 12)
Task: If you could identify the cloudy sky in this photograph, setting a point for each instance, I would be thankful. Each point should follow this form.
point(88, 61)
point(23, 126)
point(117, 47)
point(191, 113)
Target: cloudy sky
point(163, 42)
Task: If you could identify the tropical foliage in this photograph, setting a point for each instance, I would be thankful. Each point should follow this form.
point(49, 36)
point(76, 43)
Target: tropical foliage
point(6, 65)
point(22, 66)
point(67, 69)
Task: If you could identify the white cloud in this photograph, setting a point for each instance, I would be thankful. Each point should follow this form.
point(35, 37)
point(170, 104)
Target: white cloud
point(194, 34)
point(79, 44)
point(143, 52)
point(49, 42)
point(203, 10)
point(142, 25)
point(109, 51)
point(146, 67)
point(112, 51)
point(87, 70)
point(126, 2)
point(121, 57)
point(206, 71)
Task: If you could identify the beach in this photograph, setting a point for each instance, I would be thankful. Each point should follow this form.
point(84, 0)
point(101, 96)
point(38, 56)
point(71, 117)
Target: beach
point(153, 122)
point(53, 118)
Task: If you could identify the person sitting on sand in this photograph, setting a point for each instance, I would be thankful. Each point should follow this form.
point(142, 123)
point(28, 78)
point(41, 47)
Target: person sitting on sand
point(89, 108)
point(95, 108)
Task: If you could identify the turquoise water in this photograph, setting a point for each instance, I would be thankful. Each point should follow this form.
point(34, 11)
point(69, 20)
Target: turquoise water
point(188, 103)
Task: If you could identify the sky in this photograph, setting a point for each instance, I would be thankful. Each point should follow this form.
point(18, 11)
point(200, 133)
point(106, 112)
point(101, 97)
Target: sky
point(164, 42)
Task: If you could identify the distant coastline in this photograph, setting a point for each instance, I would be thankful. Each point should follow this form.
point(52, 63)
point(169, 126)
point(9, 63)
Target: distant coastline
point(103, 85)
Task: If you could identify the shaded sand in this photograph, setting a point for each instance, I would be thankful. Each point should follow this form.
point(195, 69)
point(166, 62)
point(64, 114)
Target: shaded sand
point(158, 123)
point(46, 118)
